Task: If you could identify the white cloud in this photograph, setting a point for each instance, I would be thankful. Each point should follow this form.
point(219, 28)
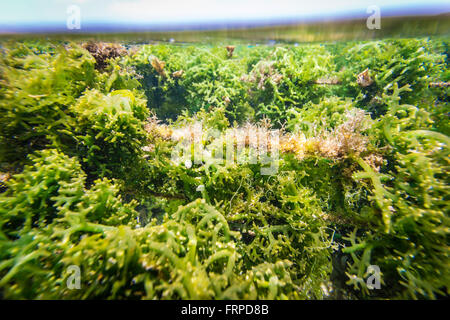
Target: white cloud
point(210, 10)
point(174, 10)
point(181, 11)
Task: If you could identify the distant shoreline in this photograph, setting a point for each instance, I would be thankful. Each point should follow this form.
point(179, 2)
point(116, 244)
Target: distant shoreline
point(286, 31)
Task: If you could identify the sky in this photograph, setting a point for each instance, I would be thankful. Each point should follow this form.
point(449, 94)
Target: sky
point(150, 12)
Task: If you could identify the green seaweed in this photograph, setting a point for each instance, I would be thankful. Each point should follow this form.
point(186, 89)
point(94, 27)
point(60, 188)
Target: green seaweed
point(88, 178)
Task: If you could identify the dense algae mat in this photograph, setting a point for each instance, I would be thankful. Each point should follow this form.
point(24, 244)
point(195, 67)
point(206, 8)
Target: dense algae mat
point(87, 136)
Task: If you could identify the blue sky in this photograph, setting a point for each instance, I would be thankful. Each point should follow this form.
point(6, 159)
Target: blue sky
point(23, 12)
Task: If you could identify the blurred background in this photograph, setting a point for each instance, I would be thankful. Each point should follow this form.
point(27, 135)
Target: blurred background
point(277, 20)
